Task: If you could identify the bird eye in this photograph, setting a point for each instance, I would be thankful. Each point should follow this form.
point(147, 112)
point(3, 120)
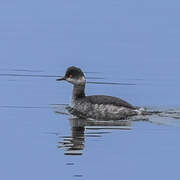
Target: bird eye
point(70, 76)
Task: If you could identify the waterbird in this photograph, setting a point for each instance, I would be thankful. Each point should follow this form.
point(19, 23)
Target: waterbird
point(100, 107)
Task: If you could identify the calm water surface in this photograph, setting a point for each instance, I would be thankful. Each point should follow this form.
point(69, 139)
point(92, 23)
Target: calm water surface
point(127, 49)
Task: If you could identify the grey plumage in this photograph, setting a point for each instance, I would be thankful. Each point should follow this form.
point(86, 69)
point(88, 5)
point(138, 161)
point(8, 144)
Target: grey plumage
point(102, 99)
point(97, 106)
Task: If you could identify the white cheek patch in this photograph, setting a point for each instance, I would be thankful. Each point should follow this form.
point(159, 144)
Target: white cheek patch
point(82, 80)
point(69, 79)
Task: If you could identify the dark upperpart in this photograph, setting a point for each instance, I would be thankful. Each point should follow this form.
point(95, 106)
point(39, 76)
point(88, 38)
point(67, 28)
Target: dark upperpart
point(76, 77)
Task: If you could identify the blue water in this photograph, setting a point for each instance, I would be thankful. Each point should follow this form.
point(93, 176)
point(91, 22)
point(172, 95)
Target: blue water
point(132, 42)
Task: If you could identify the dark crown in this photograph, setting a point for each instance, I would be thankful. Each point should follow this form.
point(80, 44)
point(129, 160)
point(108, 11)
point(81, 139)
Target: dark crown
point(74, 72)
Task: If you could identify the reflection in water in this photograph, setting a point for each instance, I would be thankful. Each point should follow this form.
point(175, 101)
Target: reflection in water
point(83, 128)
point(25, 75)
point(21, 70)
point(111, 83)
point(25, 107)
point(74, 144)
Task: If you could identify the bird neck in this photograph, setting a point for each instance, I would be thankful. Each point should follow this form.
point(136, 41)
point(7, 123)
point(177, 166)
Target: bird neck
point(78, 91)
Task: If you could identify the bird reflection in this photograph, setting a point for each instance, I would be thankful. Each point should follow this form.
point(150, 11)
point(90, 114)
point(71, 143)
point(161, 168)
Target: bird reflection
point(73, 145)
point(83, 128)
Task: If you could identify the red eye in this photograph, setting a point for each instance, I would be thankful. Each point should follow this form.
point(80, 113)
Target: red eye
point(70, 76)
